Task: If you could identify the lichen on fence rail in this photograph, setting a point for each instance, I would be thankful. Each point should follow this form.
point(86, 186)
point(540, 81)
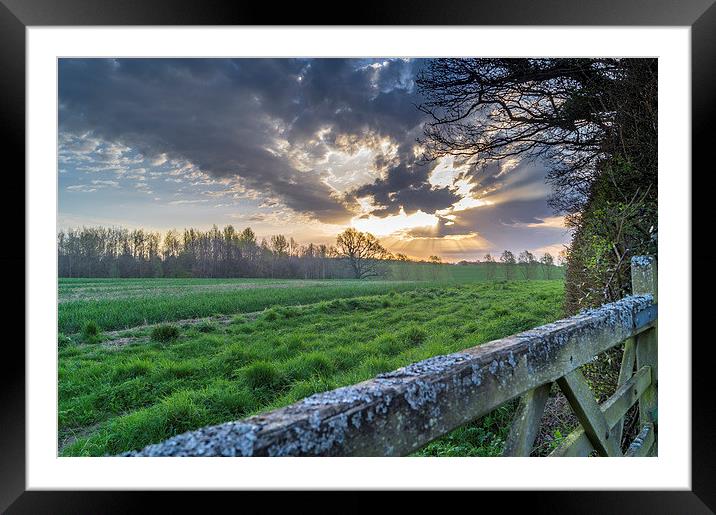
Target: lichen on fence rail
point(398, 412)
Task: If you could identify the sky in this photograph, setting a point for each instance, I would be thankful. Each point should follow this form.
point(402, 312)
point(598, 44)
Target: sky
point(300, 147)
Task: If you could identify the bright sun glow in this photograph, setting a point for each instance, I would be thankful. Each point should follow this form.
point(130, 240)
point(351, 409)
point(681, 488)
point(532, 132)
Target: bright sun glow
point(447, 174)
point(394, 223)
point(450, 248)
point(468, 202)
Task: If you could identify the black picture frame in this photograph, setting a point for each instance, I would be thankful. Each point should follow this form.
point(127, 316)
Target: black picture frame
point(17, 15)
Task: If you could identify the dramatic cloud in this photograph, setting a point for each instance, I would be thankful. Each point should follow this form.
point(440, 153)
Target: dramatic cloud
point(406, 185)
point(315, 143)
point(264, 120)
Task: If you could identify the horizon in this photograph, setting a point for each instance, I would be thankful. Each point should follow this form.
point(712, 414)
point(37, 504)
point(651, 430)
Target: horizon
point(260, 239)
point(300, 147)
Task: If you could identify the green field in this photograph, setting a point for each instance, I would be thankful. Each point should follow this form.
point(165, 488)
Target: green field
point(281, 341)
point(470, 272)
point(153, 300)
point(122, 303)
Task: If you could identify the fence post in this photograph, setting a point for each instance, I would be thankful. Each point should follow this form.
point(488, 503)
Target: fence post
point(644, 281)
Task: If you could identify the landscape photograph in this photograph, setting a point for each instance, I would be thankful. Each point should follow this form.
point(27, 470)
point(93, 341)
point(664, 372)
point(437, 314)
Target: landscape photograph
point(426, 257)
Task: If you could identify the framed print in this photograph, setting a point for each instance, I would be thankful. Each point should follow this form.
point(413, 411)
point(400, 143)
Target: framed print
point(418, 249)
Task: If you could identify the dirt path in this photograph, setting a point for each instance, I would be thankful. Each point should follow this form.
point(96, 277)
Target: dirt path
point(68, 437)
point(119, 337)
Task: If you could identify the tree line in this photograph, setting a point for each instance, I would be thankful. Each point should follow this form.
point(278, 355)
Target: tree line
point(228, 252)
point(524, 266)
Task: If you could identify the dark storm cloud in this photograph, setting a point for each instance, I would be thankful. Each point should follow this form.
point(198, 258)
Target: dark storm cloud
point(406, 185)
point(225, 115)
point(405, 182)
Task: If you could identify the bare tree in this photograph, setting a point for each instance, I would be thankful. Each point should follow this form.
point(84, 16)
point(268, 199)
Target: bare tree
point(527, 262)
point(362, 250)
point(435, 261)
point(547, 262)
point(575, 112)
point(118, 252)
point(401, 266)
point(489, 266)
point(508, 264)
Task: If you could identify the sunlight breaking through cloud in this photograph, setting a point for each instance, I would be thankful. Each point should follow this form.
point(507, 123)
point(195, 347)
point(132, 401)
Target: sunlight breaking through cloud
point(301, 147)
point(390, 225)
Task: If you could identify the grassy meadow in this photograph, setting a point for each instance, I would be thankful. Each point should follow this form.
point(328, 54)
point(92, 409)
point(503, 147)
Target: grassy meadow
point(122, 303)
point(277, 342)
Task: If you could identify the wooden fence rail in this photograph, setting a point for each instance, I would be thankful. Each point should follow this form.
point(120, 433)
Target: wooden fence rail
point(398, 412)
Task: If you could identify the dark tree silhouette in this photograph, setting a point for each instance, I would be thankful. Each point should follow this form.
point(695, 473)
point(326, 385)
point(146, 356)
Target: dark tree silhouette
point(527, 263)
point(508, 261)
point(362, 251)
point(118, 252)
point(547, 262)
point(574, 112)
point(490, 265)
point(593, 122)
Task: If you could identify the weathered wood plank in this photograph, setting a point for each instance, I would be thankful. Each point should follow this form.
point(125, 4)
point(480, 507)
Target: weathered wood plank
point(399, 412)
point(625, 372)
point(526, 423)
point(645, 281)
point(577, 443)
point(646, 355)
point(644, 276)
point(580, 397)
point(626, 396)
point(643, 443)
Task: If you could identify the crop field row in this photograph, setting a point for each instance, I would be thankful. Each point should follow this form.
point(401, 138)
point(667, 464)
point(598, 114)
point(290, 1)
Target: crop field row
point(101, 289)
point(122, 394)
point(150, 301)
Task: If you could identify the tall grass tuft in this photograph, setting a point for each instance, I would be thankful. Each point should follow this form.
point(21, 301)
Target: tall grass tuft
point(164, 333)
point(263, 375)
point(415, 335)
point(91, 332)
